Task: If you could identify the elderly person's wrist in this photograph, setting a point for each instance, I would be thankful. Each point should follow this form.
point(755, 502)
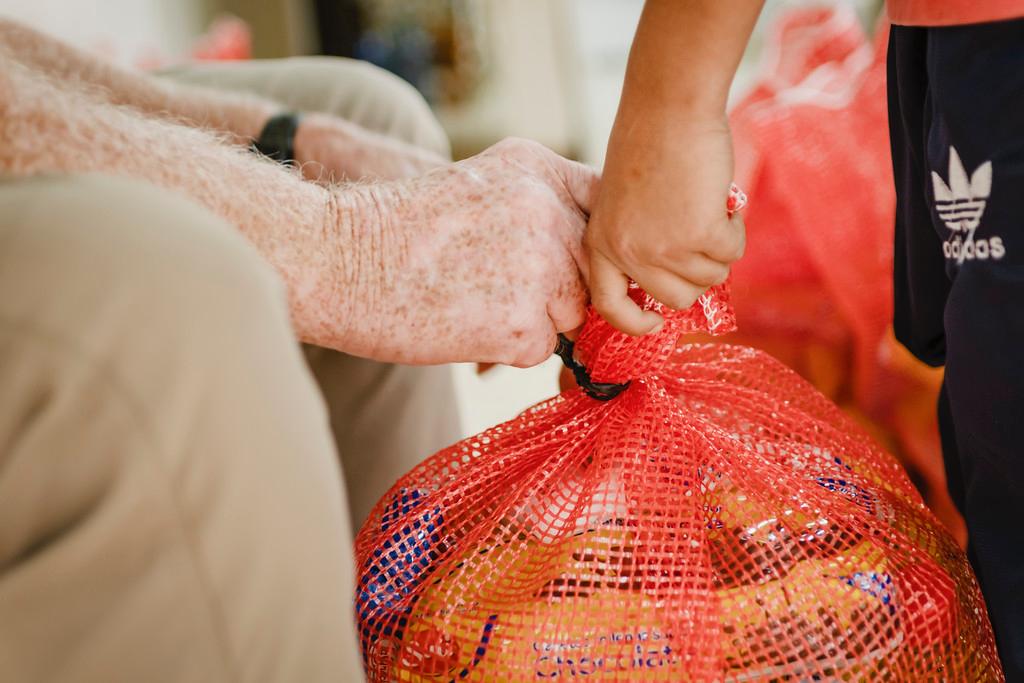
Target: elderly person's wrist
point(355, 251)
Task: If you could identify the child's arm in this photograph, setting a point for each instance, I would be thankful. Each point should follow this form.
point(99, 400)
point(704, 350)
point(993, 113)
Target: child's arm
point(660, 218)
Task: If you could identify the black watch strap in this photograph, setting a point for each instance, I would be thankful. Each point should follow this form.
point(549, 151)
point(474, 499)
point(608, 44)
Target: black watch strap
point(277, 139)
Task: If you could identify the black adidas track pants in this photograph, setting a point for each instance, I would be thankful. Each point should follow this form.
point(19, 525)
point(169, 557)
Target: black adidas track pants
point(956, 117)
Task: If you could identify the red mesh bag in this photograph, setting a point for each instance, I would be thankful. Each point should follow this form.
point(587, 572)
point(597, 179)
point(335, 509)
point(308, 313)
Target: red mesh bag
point(814, 287)
point(717, 520)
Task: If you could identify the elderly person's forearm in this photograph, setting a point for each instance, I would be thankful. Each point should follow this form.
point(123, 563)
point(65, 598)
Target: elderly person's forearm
point(307, 232)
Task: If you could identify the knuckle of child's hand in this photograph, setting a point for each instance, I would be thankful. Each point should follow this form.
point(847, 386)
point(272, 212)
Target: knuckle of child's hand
point(741, 244)
point(624, 248)
point(668, 254)
point(720, 276)
point(707, 233)
point(720, 238)
point(730, 245)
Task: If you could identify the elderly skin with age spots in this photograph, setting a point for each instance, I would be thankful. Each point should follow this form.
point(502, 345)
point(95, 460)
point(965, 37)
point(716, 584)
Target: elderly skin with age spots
point(474, 261)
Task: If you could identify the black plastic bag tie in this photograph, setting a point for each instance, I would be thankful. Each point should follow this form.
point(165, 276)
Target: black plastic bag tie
point(600, 391)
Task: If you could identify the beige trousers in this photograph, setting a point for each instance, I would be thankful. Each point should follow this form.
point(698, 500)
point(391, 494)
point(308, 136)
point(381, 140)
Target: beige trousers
point(171, 506)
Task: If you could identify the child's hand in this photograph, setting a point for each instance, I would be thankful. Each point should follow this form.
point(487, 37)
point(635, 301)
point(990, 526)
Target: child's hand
point(661, 220)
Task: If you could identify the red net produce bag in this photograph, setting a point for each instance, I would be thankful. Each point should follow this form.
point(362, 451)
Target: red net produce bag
point(814, 287)
point(717, 520)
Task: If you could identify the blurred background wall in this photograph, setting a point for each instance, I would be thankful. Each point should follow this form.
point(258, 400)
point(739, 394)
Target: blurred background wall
point(126, 30)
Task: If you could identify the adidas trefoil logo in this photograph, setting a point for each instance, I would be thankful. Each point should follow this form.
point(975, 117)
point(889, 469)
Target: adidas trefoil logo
point(960, 205)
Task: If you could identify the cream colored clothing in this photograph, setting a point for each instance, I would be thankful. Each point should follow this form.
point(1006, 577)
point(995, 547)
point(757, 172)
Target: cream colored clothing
point(171, 502)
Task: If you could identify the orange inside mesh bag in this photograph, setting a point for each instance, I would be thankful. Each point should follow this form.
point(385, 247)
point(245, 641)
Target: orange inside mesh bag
point(718, 520)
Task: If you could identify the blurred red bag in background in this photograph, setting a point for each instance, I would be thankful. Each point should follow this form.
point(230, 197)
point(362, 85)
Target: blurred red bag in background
point(815, 286)
point(227, 39)
point(717, 520)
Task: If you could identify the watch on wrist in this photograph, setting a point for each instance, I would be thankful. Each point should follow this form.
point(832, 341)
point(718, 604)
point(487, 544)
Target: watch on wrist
point(277, 139)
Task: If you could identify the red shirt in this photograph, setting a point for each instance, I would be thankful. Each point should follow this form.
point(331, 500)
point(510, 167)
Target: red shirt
point(948, 12)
